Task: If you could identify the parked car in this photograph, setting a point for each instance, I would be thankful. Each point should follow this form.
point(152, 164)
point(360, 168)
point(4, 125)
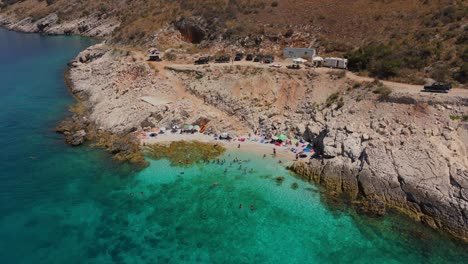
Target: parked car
point(438, 87)
point(249, 57)
point(202, 60)
point(223, 59)
point(276, 65)
point(258, 58)
point(268, 59)
point(239, 56)
point(294, 66)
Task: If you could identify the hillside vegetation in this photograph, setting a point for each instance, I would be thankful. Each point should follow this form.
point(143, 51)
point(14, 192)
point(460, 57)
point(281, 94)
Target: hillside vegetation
point(389, 39)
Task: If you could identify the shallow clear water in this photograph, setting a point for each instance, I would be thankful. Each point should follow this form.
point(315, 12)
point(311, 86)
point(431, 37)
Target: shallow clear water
point(75, 205)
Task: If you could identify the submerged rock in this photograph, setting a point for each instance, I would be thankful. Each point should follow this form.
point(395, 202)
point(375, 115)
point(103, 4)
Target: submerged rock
point(76, 138)
point(185, 153)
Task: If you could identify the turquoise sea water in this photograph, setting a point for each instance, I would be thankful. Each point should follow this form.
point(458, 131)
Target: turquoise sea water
point(75, 205)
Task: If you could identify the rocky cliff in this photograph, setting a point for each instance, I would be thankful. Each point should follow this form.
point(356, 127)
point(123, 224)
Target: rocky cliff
point(90, 26)
point(388, 155)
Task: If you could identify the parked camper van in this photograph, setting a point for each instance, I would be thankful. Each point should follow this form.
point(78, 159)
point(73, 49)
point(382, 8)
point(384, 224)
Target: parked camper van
point(154, 54)
point(338, 63)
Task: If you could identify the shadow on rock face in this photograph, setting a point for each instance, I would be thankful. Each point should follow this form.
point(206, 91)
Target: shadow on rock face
point(191, 29)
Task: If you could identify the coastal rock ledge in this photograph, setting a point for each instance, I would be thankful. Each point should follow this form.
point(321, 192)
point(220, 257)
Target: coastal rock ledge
point(365, 185)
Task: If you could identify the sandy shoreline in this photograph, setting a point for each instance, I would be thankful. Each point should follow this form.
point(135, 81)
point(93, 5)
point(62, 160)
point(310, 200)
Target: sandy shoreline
point(253, 145)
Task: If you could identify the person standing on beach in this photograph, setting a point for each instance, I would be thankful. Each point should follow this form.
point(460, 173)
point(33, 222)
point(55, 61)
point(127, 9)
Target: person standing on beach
point(274, 151)
point(238, 146)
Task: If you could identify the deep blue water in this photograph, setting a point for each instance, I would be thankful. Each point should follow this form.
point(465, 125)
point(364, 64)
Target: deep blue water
point(76, 205)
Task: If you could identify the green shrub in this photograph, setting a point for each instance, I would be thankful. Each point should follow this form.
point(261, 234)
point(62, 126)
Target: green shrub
point(464, 55)
point(385, 61)
point(332, 99)
point(454, 117)
point(462, 74)
point(440, 73)
point(338, 74)
point(384, 69)
point(170, 56)
point(384, 92)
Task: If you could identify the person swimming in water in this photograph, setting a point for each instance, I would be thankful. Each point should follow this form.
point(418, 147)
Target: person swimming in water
point(252, 208)
point(264, 155)
point(251, 170)
point(225, 170)
point(215, 184)
point(240, 206)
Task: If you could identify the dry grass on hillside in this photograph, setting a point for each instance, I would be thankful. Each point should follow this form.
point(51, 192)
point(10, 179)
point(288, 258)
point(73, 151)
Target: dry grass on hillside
point(387, 38)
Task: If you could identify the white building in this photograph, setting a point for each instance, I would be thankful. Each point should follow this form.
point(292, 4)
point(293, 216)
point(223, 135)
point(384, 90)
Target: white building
point(332, 62)
point(299, 53)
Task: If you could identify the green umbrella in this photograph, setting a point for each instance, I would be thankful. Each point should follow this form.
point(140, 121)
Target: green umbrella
point(282, 137)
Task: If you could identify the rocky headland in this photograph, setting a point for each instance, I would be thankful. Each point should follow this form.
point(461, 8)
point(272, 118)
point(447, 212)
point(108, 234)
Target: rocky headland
point(403, 150)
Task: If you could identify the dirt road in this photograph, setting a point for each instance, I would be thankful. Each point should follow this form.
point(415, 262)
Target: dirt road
point(395, 86)
point(406, 88)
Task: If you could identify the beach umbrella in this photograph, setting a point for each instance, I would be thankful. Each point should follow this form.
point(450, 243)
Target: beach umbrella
point(307, 150)
point(224, 134)
point(190, 127)
point(186, 127)
point(282, 137)
point(162, 128)
point(274, 137)
point(196, 127)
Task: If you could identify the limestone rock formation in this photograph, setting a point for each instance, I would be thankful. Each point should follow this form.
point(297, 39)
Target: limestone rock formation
point(91, 26)
point(395, 154)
